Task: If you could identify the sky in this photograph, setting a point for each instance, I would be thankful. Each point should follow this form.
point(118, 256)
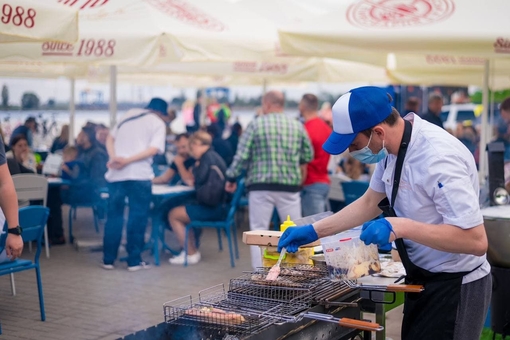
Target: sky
point(59, 90)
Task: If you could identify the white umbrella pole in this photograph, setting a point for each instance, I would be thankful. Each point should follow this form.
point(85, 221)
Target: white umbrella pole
point(113, 96)
point(72, 113)
point(264, 86)
point(484, 133)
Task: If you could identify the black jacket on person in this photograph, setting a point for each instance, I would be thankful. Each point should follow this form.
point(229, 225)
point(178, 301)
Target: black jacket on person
point(58, 145)
point(431, 117)
point(201, 171)
point(223, 149)
point(94, 160)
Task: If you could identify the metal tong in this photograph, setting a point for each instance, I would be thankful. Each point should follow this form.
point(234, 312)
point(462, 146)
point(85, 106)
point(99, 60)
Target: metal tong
point(345, 322)
point(387, 288)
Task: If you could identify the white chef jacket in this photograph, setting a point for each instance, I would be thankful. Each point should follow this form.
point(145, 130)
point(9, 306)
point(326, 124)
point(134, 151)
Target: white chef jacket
point(438, 185)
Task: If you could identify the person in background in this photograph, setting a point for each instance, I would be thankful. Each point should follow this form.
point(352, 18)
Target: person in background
point(354, 169)
point(194, 125)
point(61, 141)
point(220, 145)
point(131, 145)
point(72, 169)
point(235, 132)
point(94, 160)
point(181, 168)
point(21, 153)
point(29, 129)
point(315, 174)
point(468, 135)
point(412, 105)
point(435, 107)
point(504, 137)
point(272, 149)
point(187, 113)
point(74, 172)
point(325, 113)
point(212, 107)
point(222, 115)
point(179, 217)
point(11, 240)
point(102, 133)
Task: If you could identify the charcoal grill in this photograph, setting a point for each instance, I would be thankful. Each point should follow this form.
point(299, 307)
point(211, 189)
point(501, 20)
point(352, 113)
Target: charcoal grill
point(286, 309)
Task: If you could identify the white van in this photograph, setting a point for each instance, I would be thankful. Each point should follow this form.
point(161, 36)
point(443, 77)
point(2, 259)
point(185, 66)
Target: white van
point(453, 114)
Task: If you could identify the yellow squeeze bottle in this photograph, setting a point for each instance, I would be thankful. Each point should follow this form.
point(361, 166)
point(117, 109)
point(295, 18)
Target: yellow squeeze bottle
point(286, 224)
point(303, 254)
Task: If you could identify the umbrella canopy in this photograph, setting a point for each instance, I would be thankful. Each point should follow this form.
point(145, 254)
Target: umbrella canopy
point(420, 42)
point(32, 20)
point(274, 70)
point(139, 32)
point(367, 30)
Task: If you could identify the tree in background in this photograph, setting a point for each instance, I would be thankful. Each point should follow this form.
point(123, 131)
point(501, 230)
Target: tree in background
point(499, 96)
point(29, 101)
point(5, 96)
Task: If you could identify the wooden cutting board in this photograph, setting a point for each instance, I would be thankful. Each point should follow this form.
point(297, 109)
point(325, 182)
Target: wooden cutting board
point(268, 238)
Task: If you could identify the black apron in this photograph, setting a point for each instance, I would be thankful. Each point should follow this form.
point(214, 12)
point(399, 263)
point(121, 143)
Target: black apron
point(430, 314)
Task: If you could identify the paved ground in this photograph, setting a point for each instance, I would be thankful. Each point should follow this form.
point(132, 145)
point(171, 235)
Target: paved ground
point(84, 301)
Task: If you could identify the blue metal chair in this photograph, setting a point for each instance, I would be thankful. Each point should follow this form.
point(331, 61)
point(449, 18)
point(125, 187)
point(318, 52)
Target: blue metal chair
point(32, 219)
point(95, 205)
point(354, 190)
point(228, 225)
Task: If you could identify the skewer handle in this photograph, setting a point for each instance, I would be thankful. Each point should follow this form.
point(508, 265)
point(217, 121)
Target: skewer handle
point(405, 288)
point(359, 324)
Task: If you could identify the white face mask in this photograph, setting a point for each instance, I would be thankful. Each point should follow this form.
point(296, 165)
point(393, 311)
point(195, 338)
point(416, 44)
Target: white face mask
point(366, 155)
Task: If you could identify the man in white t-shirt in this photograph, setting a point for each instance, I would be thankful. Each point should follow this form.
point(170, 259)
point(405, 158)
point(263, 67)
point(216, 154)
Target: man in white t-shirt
point(434, 218)
point(131, 145)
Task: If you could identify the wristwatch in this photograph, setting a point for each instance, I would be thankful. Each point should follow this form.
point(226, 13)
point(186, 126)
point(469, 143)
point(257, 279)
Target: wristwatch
point(16, 230)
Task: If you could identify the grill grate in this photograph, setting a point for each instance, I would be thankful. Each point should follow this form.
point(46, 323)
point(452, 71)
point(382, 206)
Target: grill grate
point(285, 289)
point(183, 312)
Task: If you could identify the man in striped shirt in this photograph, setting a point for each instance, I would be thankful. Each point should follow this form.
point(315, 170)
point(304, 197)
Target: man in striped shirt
point(273, 150)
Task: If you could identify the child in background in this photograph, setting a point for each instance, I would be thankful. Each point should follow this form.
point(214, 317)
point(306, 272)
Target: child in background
point(71, 169)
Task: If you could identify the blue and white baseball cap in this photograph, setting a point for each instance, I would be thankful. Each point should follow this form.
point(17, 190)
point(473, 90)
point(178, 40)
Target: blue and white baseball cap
point(359, 109)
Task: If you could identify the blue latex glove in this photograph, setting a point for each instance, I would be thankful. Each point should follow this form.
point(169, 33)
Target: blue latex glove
point(377, 232)
point(294, 237)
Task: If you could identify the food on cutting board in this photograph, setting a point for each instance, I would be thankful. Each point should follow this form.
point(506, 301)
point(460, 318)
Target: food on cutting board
point(215, 315)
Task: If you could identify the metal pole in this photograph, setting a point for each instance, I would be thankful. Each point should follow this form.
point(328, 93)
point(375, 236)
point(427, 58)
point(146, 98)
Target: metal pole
point(72, 113)
point(264, 86)
point(113, 96)
point(482, 173)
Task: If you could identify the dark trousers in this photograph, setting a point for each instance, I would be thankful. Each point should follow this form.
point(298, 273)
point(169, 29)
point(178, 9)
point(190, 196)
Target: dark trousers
point(138, 194)
point(54, 203)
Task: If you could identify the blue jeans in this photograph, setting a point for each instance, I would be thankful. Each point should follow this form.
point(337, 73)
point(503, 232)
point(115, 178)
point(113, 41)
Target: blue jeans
point(139, 196)
point(313, 198)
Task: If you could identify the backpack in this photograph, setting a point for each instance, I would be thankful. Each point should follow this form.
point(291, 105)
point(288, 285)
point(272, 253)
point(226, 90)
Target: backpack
point(212, 192)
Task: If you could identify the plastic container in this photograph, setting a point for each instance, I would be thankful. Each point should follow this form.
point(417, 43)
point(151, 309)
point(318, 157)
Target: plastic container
point(348, 258)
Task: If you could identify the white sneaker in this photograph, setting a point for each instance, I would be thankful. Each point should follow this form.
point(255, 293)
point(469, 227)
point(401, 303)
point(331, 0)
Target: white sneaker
point(142, 265)
point(107, 266)
point(181, 255)
point(192, 259)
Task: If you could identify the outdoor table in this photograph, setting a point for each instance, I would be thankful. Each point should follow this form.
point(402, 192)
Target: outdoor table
point(161, 192)
point(57, 181)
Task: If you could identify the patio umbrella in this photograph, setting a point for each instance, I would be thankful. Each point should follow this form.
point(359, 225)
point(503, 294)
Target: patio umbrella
point(31, 20)
point(280, 70)
point(369, 31)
